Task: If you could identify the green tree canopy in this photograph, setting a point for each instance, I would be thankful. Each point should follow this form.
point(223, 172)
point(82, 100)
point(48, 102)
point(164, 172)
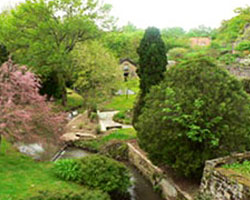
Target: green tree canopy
point(197, 113)
point(96, 71)
point(233, 28)
point(42, 33)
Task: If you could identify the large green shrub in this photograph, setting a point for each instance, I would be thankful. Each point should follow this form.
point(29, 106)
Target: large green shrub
point(62, 195)
point(105, 174)
point(197, 113)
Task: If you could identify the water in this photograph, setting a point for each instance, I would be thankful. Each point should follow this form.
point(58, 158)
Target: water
point(142, 189)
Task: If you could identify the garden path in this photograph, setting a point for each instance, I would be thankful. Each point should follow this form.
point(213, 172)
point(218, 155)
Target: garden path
point(106, 121)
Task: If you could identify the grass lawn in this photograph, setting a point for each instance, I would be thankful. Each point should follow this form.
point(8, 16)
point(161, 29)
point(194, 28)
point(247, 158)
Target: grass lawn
point(22, 177)
point(120, 103)
point(123, 102)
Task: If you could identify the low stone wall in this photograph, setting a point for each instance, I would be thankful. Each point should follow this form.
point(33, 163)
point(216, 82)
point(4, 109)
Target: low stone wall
point(155, 175)
point(224, 184)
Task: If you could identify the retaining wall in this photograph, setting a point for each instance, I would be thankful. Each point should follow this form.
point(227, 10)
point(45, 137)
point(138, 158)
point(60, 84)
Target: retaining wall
point(225, 184)
point(155, 175)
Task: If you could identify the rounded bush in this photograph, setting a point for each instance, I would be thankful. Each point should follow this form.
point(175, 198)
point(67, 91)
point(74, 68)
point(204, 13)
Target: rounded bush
point(67, 169)
point(105, 174)
point(197, 113)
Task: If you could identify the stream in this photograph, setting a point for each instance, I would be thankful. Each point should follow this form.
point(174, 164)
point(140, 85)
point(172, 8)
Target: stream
point(142, 189)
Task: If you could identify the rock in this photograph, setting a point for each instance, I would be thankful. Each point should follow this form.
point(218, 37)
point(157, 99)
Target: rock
point(73, 136)
point(34, 150)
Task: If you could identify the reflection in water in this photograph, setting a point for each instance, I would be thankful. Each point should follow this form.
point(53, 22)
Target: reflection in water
point(142, 189)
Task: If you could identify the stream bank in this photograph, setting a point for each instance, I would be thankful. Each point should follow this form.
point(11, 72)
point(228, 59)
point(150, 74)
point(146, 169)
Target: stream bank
point(142, 189)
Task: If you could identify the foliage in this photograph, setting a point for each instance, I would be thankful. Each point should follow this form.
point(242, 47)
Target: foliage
point(90, 145)
point(24, 112)
point(246, 84)
point(152, 65)
point(22, 177)
point(231, 29)
point(175, 37)
point(115, 149)
point(201, 31)
point(243, 168)
point(194, 115)
point(152, 61)
point(123, 117)
point(96, 72)
point(67, 169)
point(105, 174)
point(69, 195)
point(177, 53)
point(3, 54)
point(228, 58)
point(123, 44)
point(41, 38)
point(243, 46)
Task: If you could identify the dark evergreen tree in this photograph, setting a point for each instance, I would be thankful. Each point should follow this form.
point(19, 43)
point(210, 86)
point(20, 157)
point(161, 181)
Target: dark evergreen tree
point(3, 54)
point(152, 59)
point(152, 65)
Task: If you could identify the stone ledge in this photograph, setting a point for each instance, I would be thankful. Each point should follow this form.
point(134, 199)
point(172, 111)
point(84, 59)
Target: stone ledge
point(219, 184)
point(170, 191)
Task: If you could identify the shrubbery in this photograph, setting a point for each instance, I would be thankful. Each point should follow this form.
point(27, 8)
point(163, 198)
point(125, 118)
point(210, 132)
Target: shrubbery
point(105, 174)
point(197, 113)
point(243, 46)
point(177, 53)
point(95, 171)
point(124, 117)
point(68, 169)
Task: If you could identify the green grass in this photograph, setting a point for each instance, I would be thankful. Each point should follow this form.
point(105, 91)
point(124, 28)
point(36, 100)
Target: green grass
point(22, 177)
point(95, 145)
point(242, 168)
point(74, 100)
point(123, 102)
point(132, 84)
point(120, 103)
point(121, 134)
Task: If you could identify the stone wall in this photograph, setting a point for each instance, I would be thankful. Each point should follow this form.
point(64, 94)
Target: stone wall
point(155, 175)
point(224, 184)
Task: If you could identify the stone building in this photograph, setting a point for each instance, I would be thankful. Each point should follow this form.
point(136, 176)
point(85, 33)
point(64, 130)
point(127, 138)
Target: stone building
point(200, 41)
point(128, 64)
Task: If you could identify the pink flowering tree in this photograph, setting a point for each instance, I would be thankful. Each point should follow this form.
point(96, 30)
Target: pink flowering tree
point(24, 113)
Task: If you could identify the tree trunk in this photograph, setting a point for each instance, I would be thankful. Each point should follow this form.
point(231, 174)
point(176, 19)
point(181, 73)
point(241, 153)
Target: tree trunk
point(64, 96)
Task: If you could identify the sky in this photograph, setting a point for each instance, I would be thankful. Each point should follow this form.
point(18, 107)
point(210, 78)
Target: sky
point(168, 13)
